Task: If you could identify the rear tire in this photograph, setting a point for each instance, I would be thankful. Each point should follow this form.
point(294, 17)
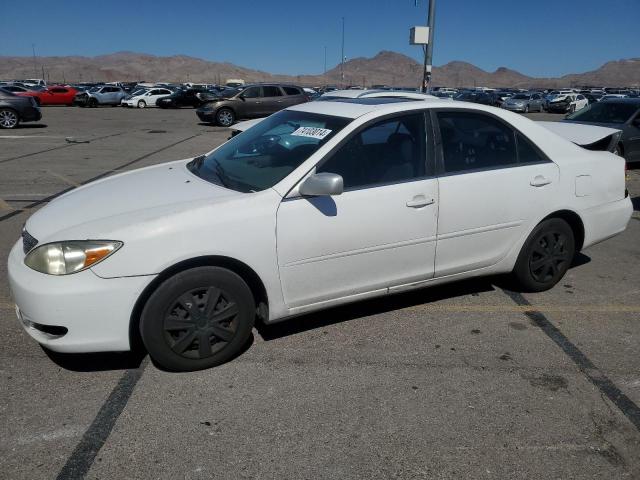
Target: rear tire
point(545, 256)
point(9, 118)
point(197, 319)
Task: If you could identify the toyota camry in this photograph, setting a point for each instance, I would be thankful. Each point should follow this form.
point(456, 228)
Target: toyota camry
point(320, 204)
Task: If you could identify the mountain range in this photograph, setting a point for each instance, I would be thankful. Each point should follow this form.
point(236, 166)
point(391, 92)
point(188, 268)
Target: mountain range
point(389, 68)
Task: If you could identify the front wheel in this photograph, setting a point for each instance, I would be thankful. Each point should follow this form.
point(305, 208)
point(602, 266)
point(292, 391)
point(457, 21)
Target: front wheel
point(225, 117)
point(197, 319)
point(8, 118)
point(142, 104)
point(93, 102)
point(545, 256)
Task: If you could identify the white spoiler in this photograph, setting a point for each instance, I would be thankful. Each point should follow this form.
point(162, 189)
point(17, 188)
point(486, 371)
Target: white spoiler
point(579, 133)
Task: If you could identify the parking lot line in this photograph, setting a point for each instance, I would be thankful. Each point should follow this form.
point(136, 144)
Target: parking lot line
point(66, 180)
point(586, 366)
point(4, 205)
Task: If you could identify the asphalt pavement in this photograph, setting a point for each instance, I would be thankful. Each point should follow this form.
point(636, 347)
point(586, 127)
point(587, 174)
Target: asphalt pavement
point(468, 380)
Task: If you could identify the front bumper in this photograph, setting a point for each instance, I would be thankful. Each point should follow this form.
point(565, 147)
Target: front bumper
point(206, 115)
point(558, 108)
point(514, 108)
point(95, 311)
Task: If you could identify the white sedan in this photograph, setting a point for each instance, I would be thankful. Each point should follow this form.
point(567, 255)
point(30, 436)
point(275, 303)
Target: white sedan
point(318, 205)
point(146, 98)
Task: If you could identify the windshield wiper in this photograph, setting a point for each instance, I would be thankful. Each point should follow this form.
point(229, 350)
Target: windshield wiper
point(222, 175)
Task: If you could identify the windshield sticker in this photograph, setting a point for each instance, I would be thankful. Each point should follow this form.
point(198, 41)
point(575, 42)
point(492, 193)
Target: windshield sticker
point(312, 132)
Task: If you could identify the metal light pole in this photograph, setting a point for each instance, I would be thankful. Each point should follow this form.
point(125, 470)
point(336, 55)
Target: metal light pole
point(325, 60)
point(35, 67)
point(428, 52)
point(342, 58)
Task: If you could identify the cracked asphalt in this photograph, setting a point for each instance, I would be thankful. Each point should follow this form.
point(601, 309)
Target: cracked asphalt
point(468, 380)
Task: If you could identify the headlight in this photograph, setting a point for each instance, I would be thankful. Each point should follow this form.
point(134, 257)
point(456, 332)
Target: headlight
point(63, 258)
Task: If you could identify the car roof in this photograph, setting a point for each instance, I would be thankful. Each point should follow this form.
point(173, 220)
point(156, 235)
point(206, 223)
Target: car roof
point(354, 108)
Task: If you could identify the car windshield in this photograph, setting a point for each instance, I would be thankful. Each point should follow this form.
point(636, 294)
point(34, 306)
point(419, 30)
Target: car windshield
point(521, 96)
point(140, 91)
point(94, 89)
point(266, 153)
point(605, 112)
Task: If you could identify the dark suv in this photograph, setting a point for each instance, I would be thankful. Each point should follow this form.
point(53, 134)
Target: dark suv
point(258, 100)
point(15, 109)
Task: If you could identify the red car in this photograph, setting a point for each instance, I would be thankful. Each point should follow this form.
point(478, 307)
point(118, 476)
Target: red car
point(53, 95)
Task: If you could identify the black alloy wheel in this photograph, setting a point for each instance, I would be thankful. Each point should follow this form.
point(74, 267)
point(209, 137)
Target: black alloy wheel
point(200, 322)
point(546, 256)
point(197, 319)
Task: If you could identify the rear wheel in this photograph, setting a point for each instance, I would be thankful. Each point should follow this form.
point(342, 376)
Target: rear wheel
point(8, 118)
point(225, 117)
point(545, 256)
point(198, 319)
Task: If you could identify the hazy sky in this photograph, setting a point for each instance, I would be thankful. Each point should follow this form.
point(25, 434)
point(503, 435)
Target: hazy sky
point(540, 38)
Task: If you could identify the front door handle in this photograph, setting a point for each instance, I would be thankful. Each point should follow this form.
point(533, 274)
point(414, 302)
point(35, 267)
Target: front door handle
point(539, 181)
point(420, 201)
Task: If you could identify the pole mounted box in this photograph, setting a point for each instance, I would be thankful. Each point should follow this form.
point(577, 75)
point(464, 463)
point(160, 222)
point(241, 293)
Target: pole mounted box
point(419, 35)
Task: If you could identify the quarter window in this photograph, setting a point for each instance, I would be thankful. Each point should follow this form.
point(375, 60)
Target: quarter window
point(527, 153)
point(474, 141)
point(389, 151)
point(291, 91)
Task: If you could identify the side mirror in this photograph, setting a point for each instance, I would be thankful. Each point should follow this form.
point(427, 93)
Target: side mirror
point(322, 184)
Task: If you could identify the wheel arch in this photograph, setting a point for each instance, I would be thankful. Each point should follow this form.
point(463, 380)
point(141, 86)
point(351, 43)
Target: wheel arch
point(244, 271)
point(574, 221)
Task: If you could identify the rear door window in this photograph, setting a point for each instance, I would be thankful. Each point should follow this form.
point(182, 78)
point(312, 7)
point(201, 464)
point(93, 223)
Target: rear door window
point(292, 91)
point(475, 141)
point(271, 91)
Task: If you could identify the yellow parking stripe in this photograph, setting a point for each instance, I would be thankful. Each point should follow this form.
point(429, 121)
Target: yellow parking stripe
point(4, 205)
point(66, 180)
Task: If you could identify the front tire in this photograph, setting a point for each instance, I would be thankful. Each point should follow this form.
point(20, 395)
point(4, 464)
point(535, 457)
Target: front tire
point(545, 256)
point(225, 117)
point(198, 319)
point(142, 104)
point(8, 118)
point(93, 102)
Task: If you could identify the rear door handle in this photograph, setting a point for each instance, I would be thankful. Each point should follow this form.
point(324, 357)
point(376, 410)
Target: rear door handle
point(539, 181)
point(420, 201)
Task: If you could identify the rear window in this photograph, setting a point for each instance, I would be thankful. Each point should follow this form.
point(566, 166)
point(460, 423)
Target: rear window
point(292, 91)
point(271, 91)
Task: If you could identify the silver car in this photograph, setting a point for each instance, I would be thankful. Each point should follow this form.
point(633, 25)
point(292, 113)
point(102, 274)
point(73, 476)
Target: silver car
point(525, 103)
point(100, 95)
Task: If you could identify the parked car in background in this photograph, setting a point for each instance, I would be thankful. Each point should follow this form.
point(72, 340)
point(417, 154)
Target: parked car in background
point(501, 96)
point(524, 102)
point(147, 98)
point(190, 97)
point(593, 97)
point(100, 95)
point(20, 88)
point(259, 100)
point(481, 97)
point(567, 103)
point(620, 113)
point(15, 109)
point(52, 95)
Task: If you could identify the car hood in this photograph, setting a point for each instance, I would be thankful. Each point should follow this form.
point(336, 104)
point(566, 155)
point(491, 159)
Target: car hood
point(97, 210)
